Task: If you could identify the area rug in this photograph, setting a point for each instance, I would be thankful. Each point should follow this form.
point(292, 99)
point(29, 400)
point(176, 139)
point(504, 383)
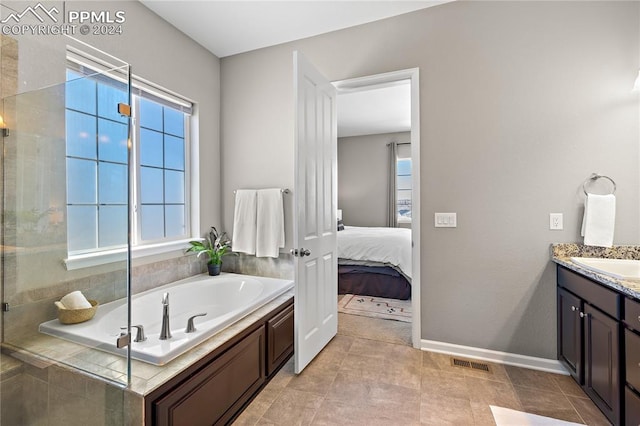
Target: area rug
point(508, 417)
point(376, 307)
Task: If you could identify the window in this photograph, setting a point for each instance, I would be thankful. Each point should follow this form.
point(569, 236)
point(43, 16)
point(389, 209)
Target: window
point(403, 188)
point(98, 184)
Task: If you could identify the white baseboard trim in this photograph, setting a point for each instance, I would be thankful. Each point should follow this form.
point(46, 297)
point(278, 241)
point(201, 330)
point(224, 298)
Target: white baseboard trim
point(525, 361)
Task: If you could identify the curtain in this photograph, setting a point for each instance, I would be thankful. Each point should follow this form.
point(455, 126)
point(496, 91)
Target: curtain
point(392, 215)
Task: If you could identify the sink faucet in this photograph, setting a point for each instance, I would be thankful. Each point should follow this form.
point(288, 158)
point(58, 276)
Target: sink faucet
point(165, 332)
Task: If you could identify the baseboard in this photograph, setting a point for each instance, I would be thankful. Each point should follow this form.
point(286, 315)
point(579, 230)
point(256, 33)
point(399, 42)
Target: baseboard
point(525, 361)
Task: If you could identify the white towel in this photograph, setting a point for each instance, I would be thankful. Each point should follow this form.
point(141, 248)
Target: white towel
point(75, 300)
point(244, 222)
point(599, 220)
point(270, 223)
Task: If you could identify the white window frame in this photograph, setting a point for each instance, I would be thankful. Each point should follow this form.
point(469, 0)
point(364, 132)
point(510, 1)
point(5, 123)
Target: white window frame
point(139, 248)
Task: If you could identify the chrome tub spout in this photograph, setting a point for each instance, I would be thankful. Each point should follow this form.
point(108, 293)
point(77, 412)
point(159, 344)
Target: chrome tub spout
point(165, 332)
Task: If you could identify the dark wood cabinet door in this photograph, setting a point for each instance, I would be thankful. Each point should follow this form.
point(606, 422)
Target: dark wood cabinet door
point(570, 334)
point(279, 339)
point(632, 358)
point(213, 395)
point(602, 369)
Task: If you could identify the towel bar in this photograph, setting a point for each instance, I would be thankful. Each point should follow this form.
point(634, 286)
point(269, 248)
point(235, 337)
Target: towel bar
point(284, 191)
point(594, 177)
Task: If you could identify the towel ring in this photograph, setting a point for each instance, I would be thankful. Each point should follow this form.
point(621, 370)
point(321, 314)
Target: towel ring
point(594, 177)
point(284, 191)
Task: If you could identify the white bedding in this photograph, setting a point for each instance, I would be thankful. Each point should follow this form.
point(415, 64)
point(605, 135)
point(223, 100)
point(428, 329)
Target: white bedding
point(390, 246)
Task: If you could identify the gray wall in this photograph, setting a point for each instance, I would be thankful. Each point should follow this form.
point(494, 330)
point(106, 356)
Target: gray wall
point(520, 102)
point(362, 177)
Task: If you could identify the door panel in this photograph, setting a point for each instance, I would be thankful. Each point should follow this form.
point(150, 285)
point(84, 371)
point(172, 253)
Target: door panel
point(570, 334)
point(602, 345)
point(316, 311)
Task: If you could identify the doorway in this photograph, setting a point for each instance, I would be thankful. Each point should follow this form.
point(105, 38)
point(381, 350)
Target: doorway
point(385, 83)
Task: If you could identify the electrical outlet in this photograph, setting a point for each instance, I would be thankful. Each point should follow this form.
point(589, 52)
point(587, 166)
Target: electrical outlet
point(556, 221)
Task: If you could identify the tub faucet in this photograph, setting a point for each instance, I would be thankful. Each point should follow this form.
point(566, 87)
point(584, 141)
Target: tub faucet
point(165, 332)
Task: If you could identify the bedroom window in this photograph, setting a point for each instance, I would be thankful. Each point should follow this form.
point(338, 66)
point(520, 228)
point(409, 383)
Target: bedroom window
point(98, 186)
point(403, 188)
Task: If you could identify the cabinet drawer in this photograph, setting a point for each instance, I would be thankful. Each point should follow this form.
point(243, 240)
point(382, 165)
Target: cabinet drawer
point(279, 338)
point(632, 408)
point(632, 313)
point(632, 358)
point(606, 300)
point(214, 395)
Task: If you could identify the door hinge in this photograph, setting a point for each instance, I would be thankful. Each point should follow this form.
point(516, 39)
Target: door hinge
point(123, 340)
point(124, 109)
point(5, 307)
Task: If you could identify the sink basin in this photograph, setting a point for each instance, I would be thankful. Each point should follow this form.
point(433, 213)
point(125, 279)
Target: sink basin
point(625, 269)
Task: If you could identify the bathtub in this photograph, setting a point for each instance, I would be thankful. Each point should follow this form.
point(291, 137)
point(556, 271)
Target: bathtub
point(225, 299)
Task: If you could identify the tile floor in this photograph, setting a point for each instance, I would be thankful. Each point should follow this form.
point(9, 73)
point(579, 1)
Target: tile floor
point(369, 375)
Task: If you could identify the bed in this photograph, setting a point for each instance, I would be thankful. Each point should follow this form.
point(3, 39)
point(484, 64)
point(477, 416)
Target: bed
point(374, 262)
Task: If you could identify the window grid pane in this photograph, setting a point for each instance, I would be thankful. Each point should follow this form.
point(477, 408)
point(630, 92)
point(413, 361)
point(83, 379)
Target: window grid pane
point(162, 172)
point(97, 160)
point(403, 190)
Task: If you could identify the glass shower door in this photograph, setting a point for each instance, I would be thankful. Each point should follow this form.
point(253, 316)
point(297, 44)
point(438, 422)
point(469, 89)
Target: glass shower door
point(65, 230)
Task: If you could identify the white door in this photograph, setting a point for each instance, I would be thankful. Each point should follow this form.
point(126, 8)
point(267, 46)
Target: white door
point(316, 287)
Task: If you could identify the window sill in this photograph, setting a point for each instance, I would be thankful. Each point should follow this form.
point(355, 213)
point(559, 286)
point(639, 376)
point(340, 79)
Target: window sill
point(118, 255)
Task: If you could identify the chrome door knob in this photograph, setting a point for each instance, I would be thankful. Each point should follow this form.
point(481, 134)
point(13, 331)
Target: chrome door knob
point(302, 252)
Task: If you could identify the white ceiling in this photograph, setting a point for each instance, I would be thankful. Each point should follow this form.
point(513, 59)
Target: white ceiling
point(230, 27)
point(385, 109)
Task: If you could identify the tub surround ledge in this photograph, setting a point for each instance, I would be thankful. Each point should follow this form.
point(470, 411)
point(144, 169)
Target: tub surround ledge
point(563, 252)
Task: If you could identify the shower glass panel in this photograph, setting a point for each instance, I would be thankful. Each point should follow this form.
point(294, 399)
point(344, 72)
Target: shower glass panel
point(65, 228)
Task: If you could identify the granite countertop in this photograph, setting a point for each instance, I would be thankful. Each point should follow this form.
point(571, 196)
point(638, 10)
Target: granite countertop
point(43, 350)
point(562, 254)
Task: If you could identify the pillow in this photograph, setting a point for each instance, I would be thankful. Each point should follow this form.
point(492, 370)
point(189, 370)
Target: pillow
point(340, 225)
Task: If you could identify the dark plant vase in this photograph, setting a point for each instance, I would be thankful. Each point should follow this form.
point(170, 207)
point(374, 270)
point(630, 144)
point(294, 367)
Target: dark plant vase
point(213, 269)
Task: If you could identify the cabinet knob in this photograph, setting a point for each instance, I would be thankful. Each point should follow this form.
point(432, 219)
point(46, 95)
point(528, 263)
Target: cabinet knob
point(582, 315)
point(573, 308)
point(638, 317)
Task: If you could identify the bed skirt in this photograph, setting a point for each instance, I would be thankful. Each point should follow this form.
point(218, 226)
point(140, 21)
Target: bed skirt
point(378, 281)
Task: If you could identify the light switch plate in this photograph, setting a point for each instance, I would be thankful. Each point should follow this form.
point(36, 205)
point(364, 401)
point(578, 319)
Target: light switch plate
point(445, 220)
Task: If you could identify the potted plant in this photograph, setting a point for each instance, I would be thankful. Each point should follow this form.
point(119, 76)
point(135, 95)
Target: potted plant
point(215, 246)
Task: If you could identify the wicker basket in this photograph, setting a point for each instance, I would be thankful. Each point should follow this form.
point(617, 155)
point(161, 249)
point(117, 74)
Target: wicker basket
point(75, 316)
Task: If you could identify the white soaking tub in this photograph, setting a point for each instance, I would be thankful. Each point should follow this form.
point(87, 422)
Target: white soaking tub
point(225, 299)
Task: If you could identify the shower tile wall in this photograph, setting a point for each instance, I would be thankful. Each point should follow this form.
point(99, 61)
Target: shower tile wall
point(52, 395)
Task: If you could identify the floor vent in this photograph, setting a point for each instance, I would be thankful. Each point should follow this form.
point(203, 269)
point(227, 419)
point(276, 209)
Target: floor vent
point(463, 363)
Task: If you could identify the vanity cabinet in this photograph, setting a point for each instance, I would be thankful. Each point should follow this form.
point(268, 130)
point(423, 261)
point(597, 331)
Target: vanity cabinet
point(632, 361)
point(589, 339)
point(216, 389)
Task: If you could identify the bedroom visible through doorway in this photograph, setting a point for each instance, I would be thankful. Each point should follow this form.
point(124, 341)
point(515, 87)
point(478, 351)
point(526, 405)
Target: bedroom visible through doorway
point(378, 190)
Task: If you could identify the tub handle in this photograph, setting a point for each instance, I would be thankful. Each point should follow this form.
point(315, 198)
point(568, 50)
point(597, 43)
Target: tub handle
point(140, 337)
point(190, 327)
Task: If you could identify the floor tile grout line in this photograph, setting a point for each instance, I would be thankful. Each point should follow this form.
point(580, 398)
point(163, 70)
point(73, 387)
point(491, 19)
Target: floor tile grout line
point(582, 419)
